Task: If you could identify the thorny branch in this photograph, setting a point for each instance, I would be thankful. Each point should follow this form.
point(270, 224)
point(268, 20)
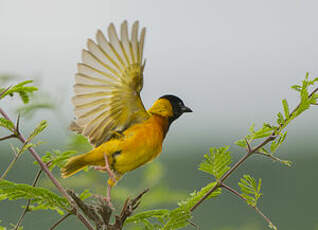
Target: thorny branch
point(27, 207)
point(44, 167)
point(249, 152)
point(100, 213)
point(61, 220)
point(255, 207)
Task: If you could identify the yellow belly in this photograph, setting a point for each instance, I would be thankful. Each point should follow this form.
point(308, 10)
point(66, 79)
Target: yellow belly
point(140, 144)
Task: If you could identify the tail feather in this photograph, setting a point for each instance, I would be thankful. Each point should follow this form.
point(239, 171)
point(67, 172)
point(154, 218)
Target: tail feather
point(74, 165)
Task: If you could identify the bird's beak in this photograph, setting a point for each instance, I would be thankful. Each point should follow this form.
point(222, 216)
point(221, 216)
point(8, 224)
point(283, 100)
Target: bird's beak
point(186, 109)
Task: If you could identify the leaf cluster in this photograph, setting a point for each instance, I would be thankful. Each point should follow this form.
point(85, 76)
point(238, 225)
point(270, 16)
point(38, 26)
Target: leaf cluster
point(217, 163)
point(251, 190)
point(176, 218)
point(7, 124)
point(41, 198)
point(12, 227)
point(21, 89)
point(283, 119)
point(56, 158)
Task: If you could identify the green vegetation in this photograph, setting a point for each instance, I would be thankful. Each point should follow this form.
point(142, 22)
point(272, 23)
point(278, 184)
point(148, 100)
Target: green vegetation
point(217, 163)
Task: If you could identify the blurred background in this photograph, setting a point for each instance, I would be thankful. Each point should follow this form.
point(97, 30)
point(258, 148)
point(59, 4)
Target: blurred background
point(232, 62)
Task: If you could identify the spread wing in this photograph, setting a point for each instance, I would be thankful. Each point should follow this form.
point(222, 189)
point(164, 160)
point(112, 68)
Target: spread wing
point(108, 84)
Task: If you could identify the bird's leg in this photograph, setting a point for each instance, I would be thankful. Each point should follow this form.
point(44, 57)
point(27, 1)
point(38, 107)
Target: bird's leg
point(108, 196)
point(111, 181)
point(106, 168)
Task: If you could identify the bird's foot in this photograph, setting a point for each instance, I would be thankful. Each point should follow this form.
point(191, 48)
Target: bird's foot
point(109, 202)
point(106, 199)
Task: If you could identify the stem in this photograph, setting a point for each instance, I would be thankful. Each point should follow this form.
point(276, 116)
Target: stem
point(4, 91)
point(233, 168)
point(255, 207)
point(61, 220)
point(26, 209)
point(272, 157)
point(4, 175)
point(250, 151)
point(247, 155)
point(7, 137)
point(50, 175)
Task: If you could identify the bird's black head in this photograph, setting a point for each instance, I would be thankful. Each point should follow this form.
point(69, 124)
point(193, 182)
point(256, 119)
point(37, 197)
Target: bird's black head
point(177, 105)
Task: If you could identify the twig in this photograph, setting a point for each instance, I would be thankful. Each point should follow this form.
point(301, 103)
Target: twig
point(255, 207)
point(27, 207)
point(250, 151)
point(249, 148)
point(14, 160)
point(49, 174)
point(61, 220)
point(4, 91)
point(193, 225)
point(100, 213)
point(7, 137)
point(285, 162)
point(232, 169)
point(16, 155)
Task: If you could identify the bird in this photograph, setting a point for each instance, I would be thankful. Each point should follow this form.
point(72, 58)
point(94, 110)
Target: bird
point(109, 111)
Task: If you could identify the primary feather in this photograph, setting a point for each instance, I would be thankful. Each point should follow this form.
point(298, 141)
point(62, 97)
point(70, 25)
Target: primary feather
point(108, 84)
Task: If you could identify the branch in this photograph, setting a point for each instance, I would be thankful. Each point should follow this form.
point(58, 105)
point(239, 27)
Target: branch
point(26, 209)
point(100, 213)
point(49, 173)
point(4, 91)
point(7, 137)
point(285, 162)
point(250, 151)
point(61, 220)
point(255, 207)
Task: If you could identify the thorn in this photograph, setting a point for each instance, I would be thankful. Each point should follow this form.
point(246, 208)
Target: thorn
point(124, 207)
point(18, 125)
point(14, 151)
point(193, 224)
point(248, 145)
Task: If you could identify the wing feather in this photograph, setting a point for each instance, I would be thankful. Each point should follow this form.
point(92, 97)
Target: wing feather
point(108, 84)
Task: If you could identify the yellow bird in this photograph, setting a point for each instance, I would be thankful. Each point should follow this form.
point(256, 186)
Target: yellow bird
point(109, 110)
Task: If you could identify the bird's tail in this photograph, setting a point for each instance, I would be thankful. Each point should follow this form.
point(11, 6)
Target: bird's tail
point(74, 165)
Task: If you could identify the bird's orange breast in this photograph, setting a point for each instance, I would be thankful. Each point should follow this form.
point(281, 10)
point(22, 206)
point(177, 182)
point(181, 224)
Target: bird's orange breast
point(139, 144)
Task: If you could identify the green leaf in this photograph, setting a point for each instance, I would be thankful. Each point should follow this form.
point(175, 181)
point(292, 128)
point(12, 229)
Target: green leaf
point(296, 87)
point(286, 108)
point(85, 194)
point(178, 218)
point(56, 158)
point(41, 126)
point(6, 124)
point(280, 119)
point(140, 217)
point(22, 90)
point(241, 143)
point(217, 162)
point(196, 196)
point(41, 198)
point(250, 189)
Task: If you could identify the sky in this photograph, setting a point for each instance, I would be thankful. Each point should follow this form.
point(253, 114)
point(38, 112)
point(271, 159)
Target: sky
point(231, 61)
